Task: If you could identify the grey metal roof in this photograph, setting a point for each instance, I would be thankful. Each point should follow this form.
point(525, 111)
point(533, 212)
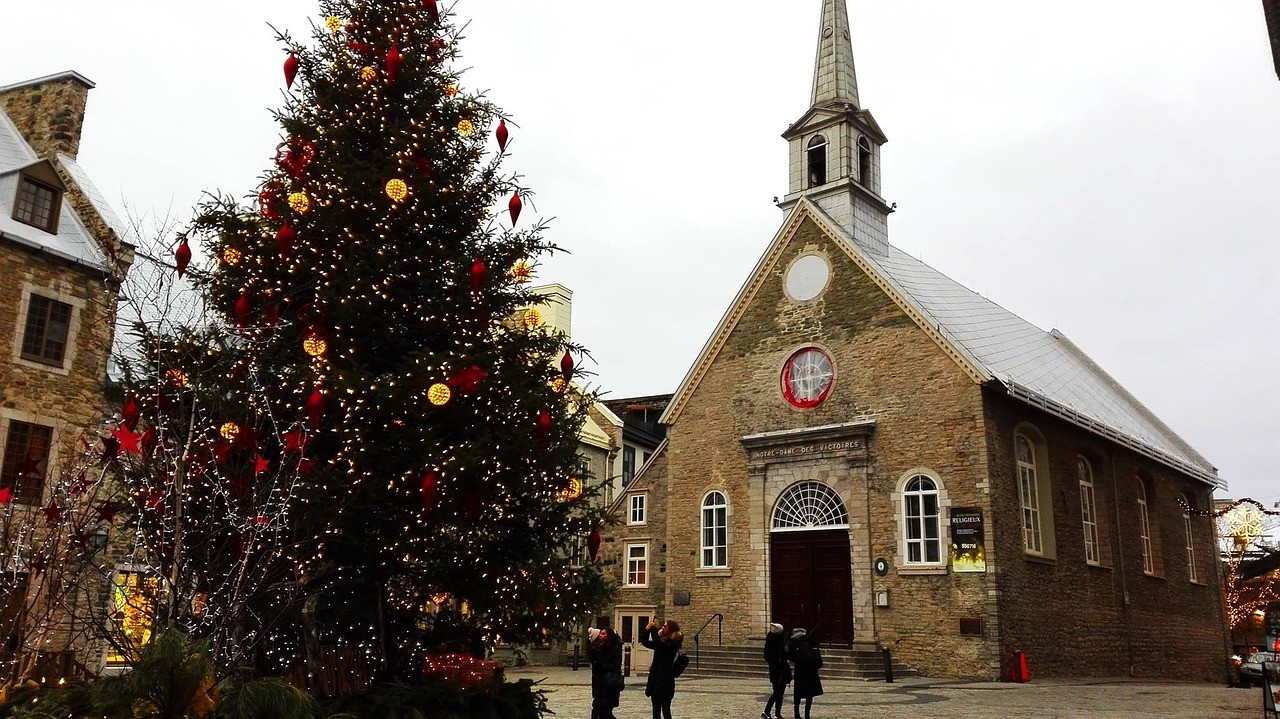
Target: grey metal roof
point(73, 242)
point(1041, 368)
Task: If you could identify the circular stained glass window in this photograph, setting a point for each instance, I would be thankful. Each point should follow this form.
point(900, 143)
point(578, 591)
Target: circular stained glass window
point(808, 377)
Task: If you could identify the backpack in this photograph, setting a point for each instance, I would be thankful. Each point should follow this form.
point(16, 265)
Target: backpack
point(801, 651)
point(682, 661)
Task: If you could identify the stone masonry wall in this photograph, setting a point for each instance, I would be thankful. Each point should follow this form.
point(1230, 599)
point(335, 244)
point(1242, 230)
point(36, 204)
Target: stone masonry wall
point(1076, 619)
point(927, 414)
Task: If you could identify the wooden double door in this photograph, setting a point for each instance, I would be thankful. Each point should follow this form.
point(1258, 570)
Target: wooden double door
point(812, 583)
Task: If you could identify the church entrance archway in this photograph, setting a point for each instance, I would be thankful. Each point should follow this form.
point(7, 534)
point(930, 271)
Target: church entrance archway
point(811, 575)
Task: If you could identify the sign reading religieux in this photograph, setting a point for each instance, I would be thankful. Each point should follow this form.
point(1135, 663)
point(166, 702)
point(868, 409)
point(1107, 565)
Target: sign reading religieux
point(968, 548)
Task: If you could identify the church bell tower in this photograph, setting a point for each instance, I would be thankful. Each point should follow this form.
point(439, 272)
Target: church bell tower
point(835, 146)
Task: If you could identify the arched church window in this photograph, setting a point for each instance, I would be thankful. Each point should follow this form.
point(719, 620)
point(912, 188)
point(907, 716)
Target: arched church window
point(715, 530)
point(921, 521)
point(809, 505)
point(817, 156)
point(864, 162)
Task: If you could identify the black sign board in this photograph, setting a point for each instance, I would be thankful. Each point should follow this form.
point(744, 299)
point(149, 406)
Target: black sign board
point(968, 547)
point(1273, 621)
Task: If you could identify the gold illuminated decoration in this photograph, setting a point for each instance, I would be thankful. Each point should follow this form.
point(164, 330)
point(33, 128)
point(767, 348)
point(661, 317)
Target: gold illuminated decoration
point(229, 431)
point(466, 127)
point(522, 271)
point(368, 74)
point(231, 256)
point(573, 491)
point(439, 598)
point(334, 23)
point(397, 190)
point(177, 377)
point(532, 318)
point(299, 202)
point(451, 91)
point(439, 394)
point(315, 346)
point(1246, 523)
point(559, 385)
point(133, 607)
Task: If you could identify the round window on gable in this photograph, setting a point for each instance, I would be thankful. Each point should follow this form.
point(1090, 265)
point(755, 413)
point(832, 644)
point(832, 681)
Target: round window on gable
point(807, 277)
point(807, 378)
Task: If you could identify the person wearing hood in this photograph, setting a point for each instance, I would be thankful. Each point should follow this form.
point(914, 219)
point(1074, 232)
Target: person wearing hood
point(604, 650)
point(802, 650)
point(665, 643)
point(775, 655)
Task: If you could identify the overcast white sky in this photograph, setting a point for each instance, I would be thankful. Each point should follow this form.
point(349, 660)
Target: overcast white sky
point(1110, 168)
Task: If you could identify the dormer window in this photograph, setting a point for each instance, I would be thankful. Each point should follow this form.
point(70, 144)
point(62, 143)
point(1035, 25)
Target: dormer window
point(817, 161)
point(864, 162)
point(37, 204)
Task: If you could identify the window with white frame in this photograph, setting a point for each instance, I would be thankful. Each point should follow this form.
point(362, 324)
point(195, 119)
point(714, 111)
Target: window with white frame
point(1088, 511)
point(1144, 529)
point(1191, 545)
point(637, 513)
point(1029, 493)
point(637, 565)
point(715, 530)
point(921, 522)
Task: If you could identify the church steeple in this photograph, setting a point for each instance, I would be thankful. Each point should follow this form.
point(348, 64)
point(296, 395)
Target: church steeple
point(834, 79)
point(835, 146)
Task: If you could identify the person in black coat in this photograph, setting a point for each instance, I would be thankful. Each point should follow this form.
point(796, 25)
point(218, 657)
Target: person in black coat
point(803, 652)
point(604, 651)
point(665, 643)
point(775, 655)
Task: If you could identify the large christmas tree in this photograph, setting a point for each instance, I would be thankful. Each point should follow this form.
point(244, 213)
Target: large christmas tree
point(377, 396)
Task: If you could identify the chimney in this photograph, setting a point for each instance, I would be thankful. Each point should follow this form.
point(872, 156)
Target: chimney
point(49, 111)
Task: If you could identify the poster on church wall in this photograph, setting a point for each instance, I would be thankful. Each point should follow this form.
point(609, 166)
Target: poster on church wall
point(968, 550)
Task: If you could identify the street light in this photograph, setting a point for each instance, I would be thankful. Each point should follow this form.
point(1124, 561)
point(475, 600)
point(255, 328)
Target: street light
point(98, 539)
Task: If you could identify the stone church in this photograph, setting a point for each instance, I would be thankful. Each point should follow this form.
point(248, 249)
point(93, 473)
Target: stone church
point(870, 450)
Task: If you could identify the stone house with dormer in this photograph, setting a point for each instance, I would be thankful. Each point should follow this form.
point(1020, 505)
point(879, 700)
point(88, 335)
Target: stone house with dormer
point(870, 450)
point(62, 259)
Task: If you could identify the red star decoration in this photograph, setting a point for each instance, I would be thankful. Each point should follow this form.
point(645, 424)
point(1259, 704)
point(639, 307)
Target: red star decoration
point(53, 513)
point(156, 503)
point(306, 467)
point(80, 485)
point(248, 438)
point(107, 512)
point(260, 465)
point(6, 496)
point(110, 448)
point(468, 379)
point(38, 564)
point(261, 520)
point(220, 452)
point(128, 439)
point(29, 467)
point(295, 440)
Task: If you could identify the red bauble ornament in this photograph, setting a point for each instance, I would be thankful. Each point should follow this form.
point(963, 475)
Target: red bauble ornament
point(430, 488)
point(285, 237)
point(130, 413)
point(315, 409)
point(593, 544)
point(566, 365)
point(242, 309)
point(514, 207)
point(544, 424)
point(393, 63)
point(479, 274)
point(273, 315)
point(360, 47)
point(290, 69)
point(182, 256)
point(468, 379)
point(433, 12)
point(269, 200)
point(501, 134)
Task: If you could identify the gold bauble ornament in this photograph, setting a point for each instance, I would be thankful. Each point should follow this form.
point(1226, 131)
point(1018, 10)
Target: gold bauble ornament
point(177, 377)
point(315, 346)
point(397, 190)
point(299, 202)
point(522, 271)
point(368, 74)
point(229, 431)
point(451, 91)
point(573, 491)
point(532, 318)
point(231, 256)
point(334, 23)
point(466, 127)
point(439, 394)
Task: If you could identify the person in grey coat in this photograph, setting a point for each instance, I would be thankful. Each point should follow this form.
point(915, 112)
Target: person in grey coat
point(803, 652)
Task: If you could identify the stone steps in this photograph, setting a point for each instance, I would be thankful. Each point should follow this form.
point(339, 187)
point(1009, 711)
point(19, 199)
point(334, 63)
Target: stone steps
point(863, 662)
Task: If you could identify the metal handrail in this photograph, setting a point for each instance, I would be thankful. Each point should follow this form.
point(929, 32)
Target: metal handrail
point(697, 637)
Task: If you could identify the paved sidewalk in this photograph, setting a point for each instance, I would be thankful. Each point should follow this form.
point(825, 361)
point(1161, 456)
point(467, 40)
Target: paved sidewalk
point(714, 698)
